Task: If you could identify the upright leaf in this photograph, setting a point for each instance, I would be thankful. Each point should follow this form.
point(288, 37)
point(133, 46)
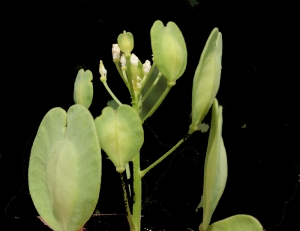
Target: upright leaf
point(120, 134)
point(207, 78)
point(65, 168)
point(83, 88)
point(215, 167)
point(169, 50)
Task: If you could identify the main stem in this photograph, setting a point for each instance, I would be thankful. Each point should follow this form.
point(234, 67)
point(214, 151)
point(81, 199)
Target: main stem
point(137, 186)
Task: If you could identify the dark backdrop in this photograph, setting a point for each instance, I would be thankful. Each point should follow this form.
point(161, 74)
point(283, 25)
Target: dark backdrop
point(45, 43)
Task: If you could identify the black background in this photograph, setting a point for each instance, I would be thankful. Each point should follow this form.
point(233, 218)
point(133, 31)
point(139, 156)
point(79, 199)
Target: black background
point(45, 43)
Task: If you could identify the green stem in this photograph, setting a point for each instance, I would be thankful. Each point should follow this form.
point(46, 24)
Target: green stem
point(137, 188)
point(152, 86)
point(110, 92)
point(143, 172)
point(117, 61)
point(128, 213)
point(129, 78)
point(158, 103)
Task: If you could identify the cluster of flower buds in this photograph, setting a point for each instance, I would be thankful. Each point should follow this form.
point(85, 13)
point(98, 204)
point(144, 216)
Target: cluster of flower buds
point(115, 51)
point(103, 71)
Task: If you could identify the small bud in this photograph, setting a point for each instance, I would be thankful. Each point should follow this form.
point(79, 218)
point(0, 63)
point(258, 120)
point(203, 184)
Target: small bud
point(147, 66)
point(115, 51)
point(134, 59)
point(102, 71)
point(123, 61)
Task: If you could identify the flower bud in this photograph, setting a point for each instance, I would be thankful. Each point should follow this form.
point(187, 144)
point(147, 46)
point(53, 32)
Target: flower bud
point(102, 71)
point(147, 66)
point(123, 61)
point(115, 51)
point(134, 60)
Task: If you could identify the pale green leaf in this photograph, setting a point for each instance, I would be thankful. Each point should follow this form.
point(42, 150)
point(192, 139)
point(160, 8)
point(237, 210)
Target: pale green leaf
point(65, 168)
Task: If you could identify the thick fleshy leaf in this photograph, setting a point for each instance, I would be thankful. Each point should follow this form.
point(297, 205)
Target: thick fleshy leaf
point(169, 50)
point(215, 167)
point(120, 134)
point(65, 168)
point(207, 78)
point(83, 88)
point(237, 223)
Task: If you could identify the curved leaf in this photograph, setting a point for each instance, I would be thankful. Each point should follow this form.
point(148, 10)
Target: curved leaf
point(120, 134)
point(215, 167)
point(237, 223)
point(83, 88)
point(65, 168)
point(207, 78)
point(169, 50)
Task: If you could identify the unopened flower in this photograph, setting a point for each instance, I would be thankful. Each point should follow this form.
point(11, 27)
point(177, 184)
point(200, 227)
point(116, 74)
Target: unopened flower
point(123, 60)
point(115, 51)
point(102, 70)
point(134, 59)
point(147, 66)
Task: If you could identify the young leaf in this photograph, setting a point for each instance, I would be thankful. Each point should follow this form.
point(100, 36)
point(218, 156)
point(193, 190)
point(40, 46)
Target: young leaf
point(237, 223)
point(65, 168)
point(83, 88)
point(126, 42)
point(169, 50)
point(120, 134)
point(207, 78)
point(215, 167)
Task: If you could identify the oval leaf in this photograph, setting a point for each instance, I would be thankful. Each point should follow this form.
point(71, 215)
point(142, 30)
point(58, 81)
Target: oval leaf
point(207, 78)
point(169, 50)
point(120, 134)
point(65, 153)
point(83, 88)
point(126, 42)
point(237, 223)
point(215, 167)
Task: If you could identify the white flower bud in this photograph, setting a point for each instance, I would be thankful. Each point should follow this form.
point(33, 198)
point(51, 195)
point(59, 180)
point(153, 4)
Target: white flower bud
point(147, 66)
point(123, 61)
point(134, 59)
point(115, 51)
point(102, 70)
